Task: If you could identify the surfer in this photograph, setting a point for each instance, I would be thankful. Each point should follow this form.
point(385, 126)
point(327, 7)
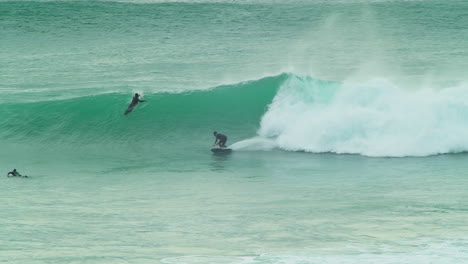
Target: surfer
point(220, 139)
point(135, 101)
point(15, 173)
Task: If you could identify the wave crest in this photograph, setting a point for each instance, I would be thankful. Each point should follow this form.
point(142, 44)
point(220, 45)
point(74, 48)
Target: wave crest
point(375, 118)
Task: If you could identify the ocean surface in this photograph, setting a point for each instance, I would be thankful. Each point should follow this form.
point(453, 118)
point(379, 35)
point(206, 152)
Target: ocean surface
point(348, 122)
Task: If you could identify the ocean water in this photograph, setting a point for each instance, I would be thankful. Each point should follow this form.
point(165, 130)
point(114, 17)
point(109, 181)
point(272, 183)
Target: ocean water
point(348, 122)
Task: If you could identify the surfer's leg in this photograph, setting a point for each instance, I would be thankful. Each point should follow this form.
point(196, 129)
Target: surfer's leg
point(223, 143)
point(129, 109)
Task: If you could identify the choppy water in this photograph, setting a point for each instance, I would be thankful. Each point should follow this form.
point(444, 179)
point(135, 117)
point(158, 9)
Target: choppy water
point(348, 120)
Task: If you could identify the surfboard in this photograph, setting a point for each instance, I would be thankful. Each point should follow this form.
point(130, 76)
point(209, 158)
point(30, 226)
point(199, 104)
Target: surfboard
point(221, 150)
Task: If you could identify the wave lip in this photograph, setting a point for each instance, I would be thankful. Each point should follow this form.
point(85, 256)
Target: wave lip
point(375, 118)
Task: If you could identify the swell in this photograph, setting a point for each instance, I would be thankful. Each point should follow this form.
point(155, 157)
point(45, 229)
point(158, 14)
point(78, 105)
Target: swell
point(289, 112)
point(233, 109)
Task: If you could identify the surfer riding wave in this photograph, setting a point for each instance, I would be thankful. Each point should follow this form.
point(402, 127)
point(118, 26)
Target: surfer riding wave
point(220, 140)
point(135, 101)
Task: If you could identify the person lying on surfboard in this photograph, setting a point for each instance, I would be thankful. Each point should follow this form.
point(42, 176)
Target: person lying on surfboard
point(15, 173)
point(220, 139)
point(135, 101)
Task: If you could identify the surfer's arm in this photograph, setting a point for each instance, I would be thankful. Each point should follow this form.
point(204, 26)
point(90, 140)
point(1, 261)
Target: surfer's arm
point(141, 101)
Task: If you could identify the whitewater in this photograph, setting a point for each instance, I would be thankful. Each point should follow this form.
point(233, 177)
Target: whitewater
point(348, 122)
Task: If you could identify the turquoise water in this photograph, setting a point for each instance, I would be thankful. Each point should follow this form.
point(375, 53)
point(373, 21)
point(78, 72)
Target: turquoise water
point(348, 120)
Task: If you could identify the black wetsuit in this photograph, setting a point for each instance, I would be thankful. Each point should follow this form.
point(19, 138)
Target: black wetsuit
point(14, 174)
point(135, 101)
point(132, 105)
point(221, 139)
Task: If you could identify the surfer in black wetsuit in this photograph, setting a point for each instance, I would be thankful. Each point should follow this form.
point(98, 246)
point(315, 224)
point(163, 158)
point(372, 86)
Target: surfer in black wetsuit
point(220, 139)
point(135, 101)
point(15, 173)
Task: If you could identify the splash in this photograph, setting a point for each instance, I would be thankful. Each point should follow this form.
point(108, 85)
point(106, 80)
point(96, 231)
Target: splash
point(374, 118)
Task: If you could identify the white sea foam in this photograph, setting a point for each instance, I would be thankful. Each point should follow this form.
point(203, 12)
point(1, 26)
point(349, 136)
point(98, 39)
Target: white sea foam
point(253, 144)
point(444, 252)
point(375, 118)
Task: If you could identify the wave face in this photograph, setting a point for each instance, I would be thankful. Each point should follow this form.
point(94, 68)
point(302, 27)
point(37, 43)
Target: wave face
point(290, 112)
point(374, 118)
point(187, 118)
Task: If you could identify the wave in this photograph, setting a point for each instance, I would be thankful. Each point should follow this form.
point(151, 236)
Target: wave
point(287, 111)
point(374, 118)
point(187, 116)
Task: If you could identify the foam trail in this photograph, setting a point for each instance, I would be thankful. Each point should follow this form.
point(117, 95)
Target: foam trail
point(253, 144)
point(375, 118)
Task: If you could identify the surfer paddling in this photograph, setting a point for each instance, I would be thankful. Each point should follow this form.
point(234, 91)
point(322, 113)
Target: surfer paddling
point(135, 101)
point(15, 173)
point(220, 140)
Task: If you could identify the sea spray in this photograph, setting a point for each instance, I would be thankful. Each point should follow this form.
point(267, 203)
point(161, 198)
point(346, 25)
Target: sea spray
point(254, 144)
point(374, 118)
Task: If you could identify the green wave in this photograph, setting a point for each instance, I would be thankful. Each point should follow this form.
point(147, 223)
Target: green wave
point(188, 116)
